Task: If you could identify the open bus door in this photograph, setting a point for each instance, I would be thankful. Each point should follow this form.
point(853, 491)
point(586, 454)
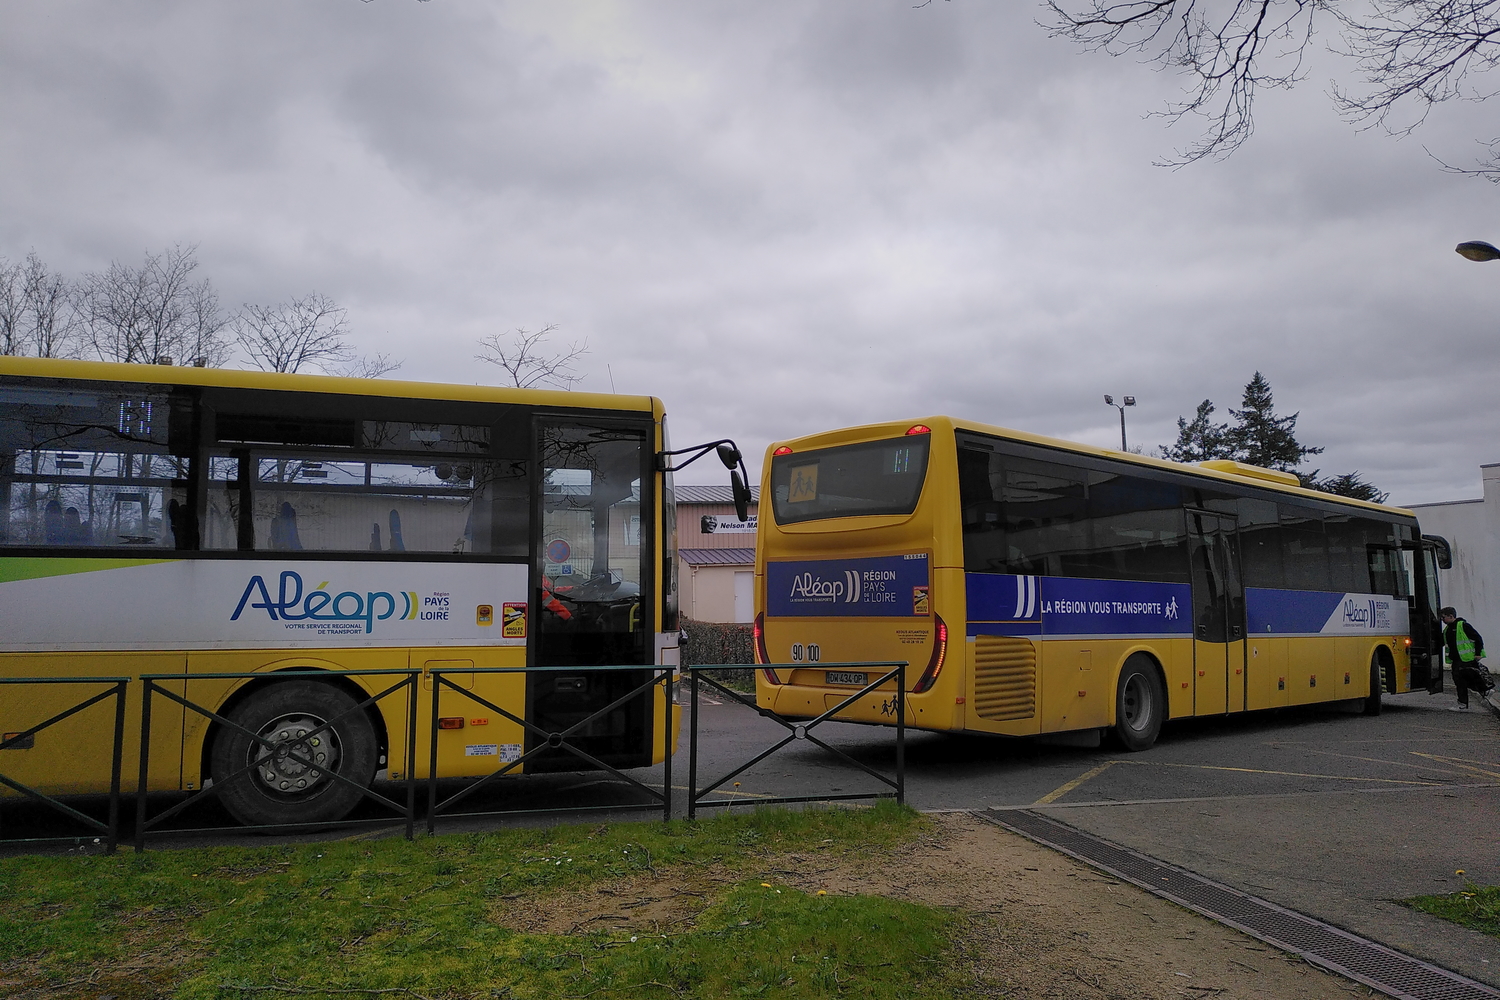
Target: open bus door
point(1428, 556)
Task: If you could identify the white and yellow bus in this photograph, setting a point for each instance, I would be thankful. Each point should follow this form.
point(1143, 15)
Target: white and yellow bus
point(165, 520)
point(1039, 586)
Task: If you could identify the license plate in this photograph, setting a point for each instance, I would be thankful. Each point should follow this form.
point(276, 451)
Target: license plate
point(844, 677)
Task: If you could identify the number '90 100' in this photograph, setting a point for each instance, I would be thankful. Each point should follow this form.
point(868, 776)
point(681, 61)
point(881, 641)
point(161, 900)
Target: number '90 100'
point(808, 653)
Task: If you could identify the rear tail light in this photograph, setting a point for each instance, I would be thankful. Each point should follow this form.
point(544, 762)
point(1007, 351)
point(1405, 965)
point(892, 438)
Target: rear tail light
point(783, 450)
point(935, 662)
point(761, 656)
point(919, 429)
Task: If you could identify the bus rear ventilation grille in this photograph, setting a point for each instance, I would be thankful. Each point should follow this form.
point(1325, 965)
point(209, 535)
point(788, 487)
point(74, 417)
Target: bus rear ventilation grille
point(1004, 678)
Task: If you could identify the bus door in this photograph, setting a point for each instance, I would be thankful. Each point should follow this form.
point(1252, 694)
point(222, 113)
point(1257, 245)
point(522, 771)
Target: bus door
point(1218, 614)
point(1421, 561)
point(591, 586)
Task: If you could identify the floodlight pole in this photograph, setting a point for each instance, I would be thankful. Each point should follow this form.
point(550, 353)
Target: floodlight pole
point(1124, 402)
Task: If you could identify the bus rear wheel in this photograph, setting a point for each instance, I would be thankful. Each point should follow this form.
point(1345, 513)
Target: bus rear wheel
point(1140, 704)
point(315, 731)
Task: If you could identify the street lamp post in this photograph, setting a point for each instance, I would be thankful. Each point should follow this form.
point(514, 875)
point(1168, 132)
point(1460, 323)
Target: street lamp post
point(1478, 250)
point(1124, 402)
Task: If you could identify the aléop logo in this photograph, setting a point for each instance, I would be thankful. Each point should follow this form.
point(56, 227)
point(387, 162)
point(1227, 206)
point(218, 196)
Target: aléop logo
point(346, 611)
point(811, 587)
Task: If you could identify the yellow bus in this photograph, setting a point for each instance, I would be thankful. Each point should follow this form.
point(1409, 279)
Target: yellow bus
point(1040, 586)
point(166, 520)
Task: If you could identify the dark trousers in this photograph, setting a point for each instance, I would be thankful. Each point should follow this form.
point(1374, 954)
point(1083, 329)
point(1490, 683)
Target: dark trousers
point(1467, 676)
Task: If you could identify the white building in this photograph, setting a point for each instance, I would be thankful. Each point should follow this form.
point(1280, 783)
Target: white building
point(1472, 528)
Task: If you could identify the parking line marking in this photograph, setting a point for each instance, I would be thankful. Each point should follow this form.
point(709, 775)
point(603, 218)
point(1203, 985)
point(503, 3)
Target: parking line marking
point(1062, 790)
point(1284, 774)
point(1378, 760)
point(1110, 803)
point(1458, 762)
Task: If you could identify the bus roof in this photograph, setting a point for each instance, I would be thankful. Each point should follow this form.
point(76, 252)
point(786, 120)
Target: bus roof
point(106, 371)
point(896, 428)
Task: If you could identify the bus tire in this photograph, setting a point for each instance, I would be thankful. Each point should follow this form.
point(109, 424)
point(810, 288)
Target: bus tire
point(1140, 704)
point(279, 789)
point(1377, 683)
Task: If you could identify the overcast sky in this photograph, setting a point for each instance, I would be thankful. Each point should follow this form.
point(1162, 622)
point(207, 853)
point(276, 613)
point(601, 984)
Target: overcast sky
point(780, 217)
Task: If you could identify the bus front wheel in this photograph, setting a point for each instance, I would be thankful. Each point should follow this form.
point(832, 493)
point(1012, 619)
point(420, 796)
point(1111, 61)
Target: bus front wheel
point(1377, 682)
point(1140, 704)
point(313, 731)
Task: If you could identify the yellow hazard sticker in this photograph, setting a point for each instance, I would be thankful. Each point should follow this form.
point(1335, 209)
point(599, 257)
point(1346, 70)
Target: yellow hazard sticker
point(513, 620)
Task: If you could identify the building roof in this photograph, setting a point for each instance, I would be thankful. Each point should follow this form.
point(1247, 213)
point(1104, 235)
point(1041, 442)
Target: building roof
point(718, 557)
point(711, 494)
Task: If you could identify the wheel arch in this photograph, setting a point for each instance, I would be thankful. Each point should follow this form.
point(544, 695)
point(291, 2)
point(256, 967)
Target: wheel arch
point(1383, 655)
point(253, 685)
point(1150, 655)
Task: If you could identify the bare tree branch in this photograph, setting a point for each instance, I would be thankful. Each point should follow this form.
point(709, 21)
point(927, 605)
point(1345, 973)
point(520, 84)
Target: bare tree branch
point(36, 313)
point(153, 313)
point(289, 335)
point(525, 361)
point(1414, 54)
point(1228, 49)
point(1419, 52)
point(371, 366)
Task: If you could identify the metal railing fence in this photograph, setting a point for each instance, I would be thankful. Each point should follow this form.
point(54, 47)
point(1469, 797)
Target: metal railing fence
point(553, 740)
point(299, 750)
point(798, 729)
point(26, 738)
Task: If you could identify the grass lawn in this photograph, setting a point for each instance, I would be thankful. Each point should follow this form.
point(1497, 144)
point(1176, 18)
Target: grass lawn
point(435, 918)
point(1474, 906)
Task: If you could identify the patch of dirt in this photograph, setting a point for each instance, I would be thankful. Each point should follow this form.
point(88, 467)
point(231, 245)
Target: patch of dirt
point(1037, 924)
point(1043, 925)
point(647, 904)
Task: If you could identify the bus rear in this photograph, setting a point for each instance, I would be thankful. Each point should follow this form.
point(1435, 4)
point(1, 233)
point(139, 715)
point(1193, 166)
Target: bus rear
point(854, 566)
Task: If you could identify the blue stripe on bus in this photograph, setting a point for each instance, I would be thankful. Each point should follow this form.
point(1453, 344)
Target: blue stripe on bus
point(1270, 612)
point(1058, 606)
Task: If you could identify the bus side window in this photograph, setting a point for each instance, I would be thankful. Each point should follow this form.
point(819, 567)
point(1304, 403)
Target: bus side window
point(1304, 548)
point(90, 469)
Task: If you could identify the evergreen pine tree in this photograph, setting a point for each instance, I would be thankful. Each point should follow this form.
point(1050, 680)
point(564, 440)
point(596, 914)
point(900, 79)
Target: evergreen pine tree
point(1260, 437)
point(1200, 440)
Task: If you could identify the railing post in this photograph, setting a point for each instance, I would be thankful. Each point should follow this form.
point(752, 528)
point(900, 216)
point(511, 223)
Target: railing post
point(115, 767)
point(412, 686)
point(901, 735)
point(437, 694)
point(666, 746)
point(692, 803)
point(140, 788)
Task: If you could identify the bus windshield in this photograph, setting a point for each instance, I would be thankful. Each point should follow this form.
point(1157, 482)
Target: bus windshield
point(877, 477)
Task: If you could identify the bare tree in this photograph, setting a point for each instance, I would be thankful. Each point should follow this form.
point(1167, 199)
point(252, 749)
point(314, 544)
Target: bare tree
point(312, 330)
point(289, 335)
point(36, 314)
point(526, 361)
point(1412, 53)
point(154, 312)
point(50, 316)
point(12, 340)
point(367, 366)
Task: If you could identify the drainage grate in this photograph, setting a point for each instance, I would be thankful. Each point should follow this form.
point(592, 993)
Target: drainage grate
point(1375, 965)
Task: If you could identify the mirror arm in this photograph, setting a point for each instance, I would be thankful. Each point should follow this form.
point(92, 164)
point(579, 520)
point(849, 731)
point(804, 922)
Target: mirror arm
point(729, 454)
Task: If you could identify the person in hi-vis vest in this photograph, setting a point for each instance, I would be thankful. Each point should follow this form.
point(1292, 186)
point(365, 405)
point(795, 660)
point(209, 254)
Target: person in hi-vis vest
point(1465, 652)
